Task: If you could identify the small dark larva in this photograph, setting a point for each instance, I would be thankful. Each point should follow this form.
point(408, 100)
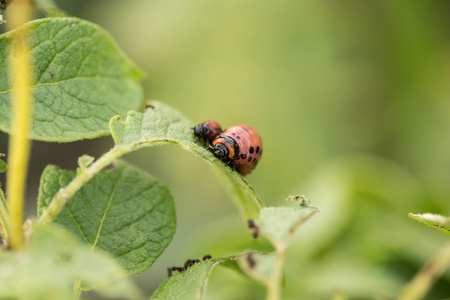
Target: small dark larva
point(239, 146)
point(208, 131)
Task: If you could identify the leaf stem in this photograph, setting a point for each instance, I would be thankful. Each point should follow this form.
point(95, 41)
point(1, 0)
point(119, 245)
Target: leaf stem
point(77, 289)
point(421, 283)
point(19, 145)
point(274, 284)
point(64, 194)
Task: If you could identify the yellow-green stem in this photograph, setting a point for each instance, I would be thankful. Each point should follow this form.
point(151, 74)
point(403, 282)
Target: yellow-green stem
point(423, 280)
point(274, 284)
point(19, 144)
point(77, 289)
point(64, 194)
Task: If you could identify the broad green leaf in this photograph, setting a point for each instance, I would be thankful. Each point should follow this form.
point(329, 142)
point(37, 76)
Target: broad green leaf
point(81, 80)
point(162, 125)
point(123, 211)
point(279, 224)
point(437, 221)
point(35, 272)
point(190, 284)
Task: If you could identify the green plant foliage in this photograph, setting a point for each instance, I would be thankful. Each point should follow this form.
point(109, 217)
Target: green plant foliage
point(3, 166)
point(36, 273)
point(84, 162)
point(437, 221)
point(279, 224)
point(161, 125)
point(191, 284)
point(123, 211)
point(257, 265)
point(81, 79)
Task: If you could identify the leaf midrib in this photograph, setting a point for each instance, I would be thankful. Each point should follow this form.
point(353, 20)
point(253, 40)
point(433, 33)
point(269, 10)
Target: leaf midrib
point(106, 210)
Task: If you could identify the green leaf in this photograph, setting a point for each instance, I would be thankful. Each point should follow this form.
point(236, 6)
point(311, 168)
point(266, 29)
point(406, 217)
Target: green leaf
point(162, 125)
point(35, 272)
point(81, 80)
point(258, 265)
point(123, 211)
point(3, 166)
point(279, 224)
point(190, 284)
point(84, 162)
point(437, 221)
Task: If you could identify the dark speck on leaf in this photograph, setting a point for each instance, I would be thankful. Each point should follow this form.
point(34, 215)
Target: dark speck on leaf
point(51, 74)
point(251, 261)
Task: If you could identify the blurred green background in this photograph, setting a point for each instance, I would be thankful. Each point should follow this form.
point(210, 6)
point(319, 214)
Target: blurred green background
point(352, 101)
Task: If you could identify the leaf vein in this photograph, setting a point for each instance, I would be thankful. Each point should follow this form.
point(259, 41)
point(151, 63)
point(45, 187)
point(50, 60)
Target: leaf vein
point(107, 208)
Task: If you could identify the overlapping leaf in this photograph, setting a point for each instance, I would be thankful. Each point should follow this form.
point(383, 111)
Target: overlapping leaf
point(36, 272)
point(123, 211)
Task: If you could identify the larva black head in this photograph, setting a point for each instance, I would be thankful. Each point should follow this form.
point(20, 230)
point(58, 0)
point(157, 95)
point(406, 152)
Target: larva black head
point(220, 151)
point(201, 130)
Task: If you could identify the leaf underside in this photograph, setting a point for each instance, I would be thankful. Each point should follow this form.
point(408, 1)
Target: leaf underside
point(437, 221)
point(123, 211)
point(279, 224)
point(161, 125)
point(81, 79)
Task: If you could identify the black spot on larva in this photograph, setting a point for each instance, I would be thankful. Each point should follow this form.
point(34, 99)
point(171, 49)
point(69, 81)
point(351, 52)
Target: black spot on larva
point(238, 137)
point(216, 128)
point(257, 149)
point(233, 133)
point(243, 156)
point(251, 150)
point(254, 159)
point(249, 159)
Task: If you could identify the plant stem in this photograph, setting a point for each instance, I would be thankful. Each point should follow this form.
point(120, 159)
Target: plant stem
point(64, 194)
point(4, 218)
point(77, 289)
point(274, 284)
point(423, 280)
point(19, 145)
